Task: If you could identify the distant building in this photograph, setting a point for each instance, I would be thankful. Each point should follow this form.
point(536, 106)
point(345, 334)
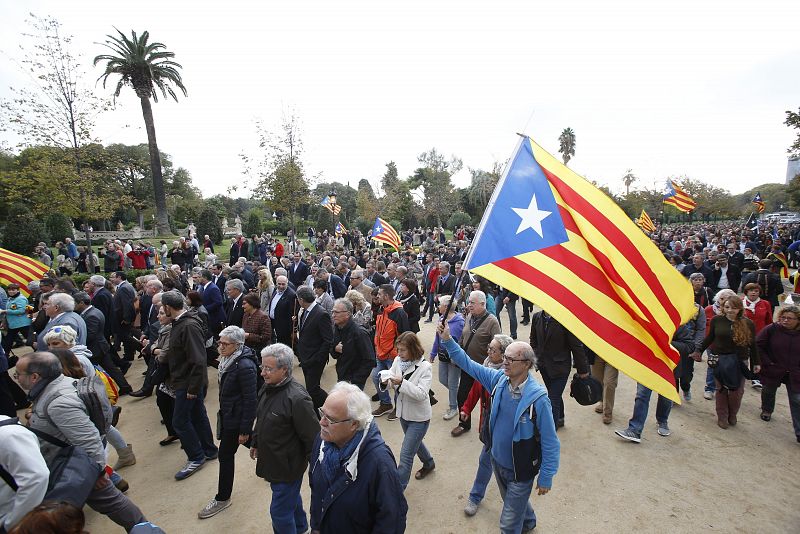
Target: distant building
point(792, 169)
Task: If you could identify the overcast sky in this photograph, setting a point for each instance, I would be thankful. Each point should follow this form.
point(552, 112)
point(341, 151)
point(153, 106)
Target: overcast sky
point(666, 89)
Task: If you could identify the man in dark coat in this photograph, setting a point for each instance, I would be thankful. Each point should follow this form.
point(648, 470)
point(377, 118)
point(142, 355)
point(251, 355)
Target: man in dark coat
point(219, 278)
point(335, 286)
point(353, 474)
point(315, 337)
point(103, 300)
point(352, 347)
point(124, 313)
point(556, 348)
point(96, 341)
point(212, 301)
point(234, 311)
point(286, 427)
point(282, 311)
point(298, 271)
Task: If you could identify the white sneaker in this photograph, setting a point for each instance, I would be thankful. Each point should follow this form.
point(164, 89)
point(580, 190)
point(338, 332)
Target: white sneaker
point(708, 395)
point(663, 430)
point(757, 384)
point(471, 508)
point(449, 414)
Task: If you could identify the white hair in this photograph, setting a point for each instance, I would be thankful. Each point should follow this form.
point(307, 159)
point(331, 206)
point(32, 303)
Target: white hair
point(283, 354)
point(234, 333)
point(65, 333)
point(478, 296)
point(359, 408)
point(64, 302)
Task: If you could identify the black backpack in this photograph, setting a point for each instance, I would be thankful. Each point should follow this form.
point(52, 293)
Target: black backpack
point(586, 391)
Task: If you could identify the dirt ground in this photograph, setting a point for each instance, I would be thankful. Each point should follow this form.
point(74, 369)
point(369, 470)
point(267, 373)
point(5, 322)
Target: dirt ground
point(699, 479)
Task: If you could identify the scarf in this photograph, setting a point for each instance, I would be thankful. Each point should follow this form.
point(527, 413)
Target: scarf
point(750, 305)
point(405, 366)
point(716, 308)
point(333, 458)
point(226, 361)
point(488, 363)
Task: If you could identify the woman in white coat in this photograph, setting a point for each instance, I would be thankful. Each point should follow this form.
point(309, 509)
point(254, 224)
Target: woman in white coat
point(410, 376)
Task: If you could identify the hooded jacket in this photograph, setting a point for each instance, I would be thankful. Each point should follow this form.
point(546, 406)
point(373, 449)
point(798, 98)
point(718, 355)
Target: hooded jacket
point(392, 322)
point(187, 354)
point(237, 393)
point(365, 498)
point(524, 442)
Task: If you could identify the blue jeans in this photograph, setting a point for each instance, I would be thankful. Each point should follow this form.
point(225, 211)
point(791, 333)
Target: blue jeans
point(190, 422)
point(517, 511)
point(381, 365)
point(449, 374)
point(710, 385)
point(555, 391)
point(286, 509)
point(641, 406)
point(430, 305)
point(511, 309)
point(412, 444)
point(482, 477)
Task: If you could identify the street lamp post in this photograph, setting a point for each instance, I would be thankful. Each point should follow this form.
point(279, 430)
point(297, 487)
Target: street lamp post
point(332, 198)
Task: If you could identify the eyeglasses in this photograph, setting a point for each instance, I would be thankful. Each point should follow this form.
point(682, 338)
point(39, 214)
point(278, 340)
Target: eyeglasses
point(269, 369)
point(225, 343)
point(338, 311)
point(786, 317)
point(509, 359)
point(323, 415)
point(17, 374)
point(492, 349)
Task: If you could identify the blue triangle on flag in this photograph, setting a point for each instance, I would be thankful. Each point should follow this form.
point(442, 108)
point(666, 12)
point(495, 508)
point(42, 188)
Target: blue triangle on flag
point(524, 216)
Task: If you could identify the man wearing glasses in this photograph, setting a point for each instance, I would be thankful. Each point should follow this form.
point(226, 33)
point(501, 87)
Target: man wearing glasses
point(521, 428)
point(285, 429)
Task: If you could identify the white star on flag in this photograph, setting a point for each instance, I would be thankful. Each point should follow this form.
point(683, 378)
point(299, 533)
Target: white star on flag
point(532, 217)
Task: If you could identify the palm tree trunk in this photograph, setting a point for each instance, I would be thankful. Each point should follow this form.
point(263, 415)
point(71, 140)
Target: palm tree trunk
point(162, 218)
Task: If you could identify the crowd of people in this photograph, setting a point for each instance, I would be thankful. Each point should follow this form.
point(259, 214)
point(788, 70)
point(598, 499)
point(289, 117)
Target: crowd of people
point(248, 322)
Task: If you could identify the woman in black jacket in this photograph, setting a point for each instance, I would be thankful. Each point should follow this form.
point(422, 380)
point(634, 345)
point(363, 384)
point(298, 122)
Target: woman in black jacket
point(238, 369)
point(410, 300)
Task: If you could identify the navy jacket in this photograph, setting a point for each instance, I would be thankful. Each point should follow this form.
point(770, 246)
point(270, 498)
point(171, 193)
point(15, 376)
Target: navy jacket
point(237, 393)
point(372, 503)
point(212, 301)
point(103, 300)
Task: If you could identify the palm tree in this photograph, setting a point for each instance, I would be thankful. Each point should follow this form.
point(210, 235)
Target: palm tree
point(567, 141)
point(144, 67)
point(628, 179)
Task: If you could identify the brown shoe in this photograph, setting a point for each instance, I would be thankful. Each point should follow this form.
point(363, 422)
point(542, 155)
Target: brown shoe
point(722, 423)
point(425, 471)
point(458, 431)
point(382, 409)
point(607, 419)
point(598, 408)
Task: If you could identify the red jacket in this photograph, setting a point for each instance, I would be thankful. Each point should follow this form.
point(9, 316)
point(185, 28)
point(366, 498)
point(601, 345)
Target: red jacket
point(762, 315)
point(477, 391)
point(139, 261)
point(279, 250)
point(392, 322)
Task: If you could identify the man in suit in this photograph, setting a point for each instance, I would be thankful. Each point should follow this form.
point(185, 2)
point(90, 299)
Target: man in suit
point(446, 285)
point(219, 278)
point(315, 340)
point(124, 313)
point(373, 276)
point(735, 258)
point(557, 350)
point(96, 341)
point(726, 276)
point(103, 300)
point(335, 286)
point(234, 312)
point(212, 301)
point(298, 271)
point(281, 310)
point(59, 308)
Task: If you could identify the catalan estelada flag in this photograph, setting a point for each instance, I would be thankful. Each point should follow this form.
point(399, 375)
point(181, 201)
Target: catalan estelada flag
point(780, 258)
point(18, 269)
point(677, 197)
point(553, 238)
point(330, 206)
point(646, 223)
point(383, 231)
point(340, 229)
point(759, 202)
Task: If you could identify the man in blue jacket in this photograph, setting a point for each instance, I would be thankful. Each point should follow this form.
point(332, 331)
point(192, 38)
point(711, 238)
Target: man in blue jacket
point(213, 302)
point(522, 433)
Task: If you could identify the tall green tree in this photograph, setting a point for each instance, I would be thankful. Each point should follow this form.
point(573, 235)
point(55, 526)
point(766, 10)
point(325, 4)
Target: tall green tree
point(566, 143)
point(440, 199)
point(145, 67)
point(793, 121)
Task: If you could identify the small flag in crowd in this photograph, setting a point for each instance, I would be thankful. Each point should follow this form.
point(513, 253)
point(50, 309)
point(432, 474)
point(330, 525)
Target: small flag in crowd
point(330, 206)
point(759, 202)
point(780, 257)
point(553, 238)
point(646, 223)
point(340, 229)
point(752, 223)
point(18, 269)
point(679, 198)
point(383, 231)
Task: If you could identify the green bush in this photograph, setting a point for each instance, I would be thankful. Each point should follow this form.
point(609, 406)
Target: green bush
point(209, 224)
point(457, 219)
point(58, 226)
point(252, 224)
point(23, 231)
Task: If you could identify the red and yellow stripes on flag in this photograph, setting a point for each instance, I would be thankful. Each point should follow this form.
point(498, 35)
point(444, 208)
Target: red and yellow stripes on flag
point(608, 284)
point(389, 235)
point(780, 257)
point(680, 199)
point(646, 223)
point(18, 269)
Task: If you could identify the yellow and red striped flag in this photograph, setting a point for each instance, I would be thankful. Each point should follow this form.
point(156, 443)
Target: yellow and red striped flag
point(383, 231)
point(552, 237)
point(18, 269)
point(759, 202)
point(679, 198)
point(780, 258)
point(646, 223)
